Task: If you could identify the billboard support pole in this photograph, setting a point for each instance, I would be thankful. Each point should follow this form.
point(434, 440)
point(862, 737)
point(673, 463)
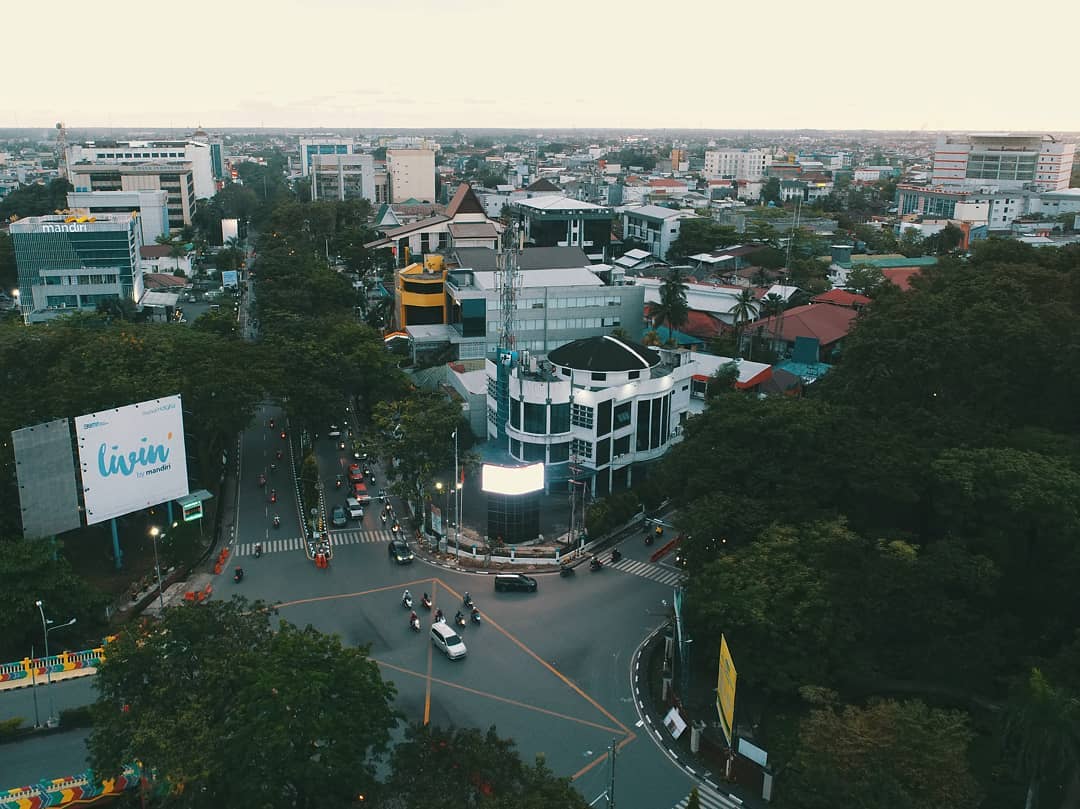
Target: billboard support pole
point(170, 512)
point(118, 555)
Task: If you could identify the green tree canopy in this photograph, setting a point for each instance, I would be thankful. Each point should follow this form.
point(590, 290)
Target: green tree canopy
point(212, 700)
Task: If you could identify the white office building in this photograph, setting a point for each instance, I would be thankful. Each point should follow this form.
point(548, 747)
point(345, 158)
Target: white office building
point(312, 147)
point(1003, 160)
point(152, 208)
point(736, 164)
point(130, 153)
point(412, 174)
point(72, 263)
point(345, 176)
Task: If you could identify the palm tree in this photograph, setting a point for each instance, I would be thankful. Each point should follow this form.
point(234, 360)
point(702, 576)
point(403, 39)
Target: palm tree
point(745, 309)
point(672, 308)
point(773, 304)
point(1043, 725)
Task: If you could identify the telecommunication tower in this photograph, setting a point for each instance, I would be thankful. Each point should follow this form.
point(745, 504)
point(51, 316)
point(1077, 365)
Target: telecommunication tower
point(61, 149)
point(510, 282)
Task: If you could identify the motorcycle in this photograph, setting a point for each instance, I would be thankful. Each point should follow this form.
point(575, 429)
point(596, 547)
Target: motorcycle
point(277, 521)
point(282, 435)
point(616, 555)
point(383, 517)
point(238, 575)
point(566, 570)
point(258, 549)
point(337, 483)
point(278, 454)
point(414, 622)
point(439, 616)
point(595, 565)
point(459, 619)
point(273, 495)
point(475, 615)
point(271, 424)
point(396, 528)
point(262, 480)
point(648, 537)
point(406, 601)
point(426, 602)
point(467, 601)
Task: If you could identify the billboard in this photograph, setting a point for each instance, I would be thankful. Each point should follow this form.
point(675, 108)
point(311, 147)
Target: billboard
point(45, 467)
point(725, 690)
point(230, 278)
point(132, 457)
point(436, 520)
point(230, 229)
point(512, 479)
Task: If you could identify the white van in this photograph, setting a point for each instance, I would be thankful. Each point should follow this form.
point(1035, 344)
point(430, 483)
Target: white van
point(353, 507)
point(446, 640)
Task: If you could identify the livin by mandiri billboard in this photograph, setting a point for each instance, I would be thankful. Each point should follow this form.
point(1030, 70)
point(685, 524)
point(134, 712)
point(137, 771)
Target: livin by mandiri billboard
point(132, 457)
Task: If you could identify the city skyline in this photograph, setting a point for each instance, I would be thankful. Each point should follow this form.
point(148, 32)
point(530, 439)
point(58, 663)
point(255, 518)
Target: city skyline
point(471, 64)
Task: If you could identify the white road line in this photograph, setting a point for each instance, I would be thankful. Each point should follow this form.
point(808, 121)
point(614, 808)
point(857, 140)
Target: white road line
point(709, 798)
point(649, 571)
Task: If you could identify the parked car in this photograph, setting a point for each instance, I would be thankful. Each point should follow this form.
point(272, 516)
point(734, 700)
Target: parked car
point(338, 518)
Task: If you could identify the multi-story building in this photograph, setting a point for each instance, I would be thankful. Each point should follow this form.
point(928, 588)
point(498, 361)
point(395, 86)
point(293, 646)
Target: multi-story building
point(412, 174)
point(654, 226)
point(68, 263)
point(217, 152)
point(594, 409)
point(152, 208)
point(345, 176)
point(565, 222)
point(1003, 160)
point(737, 164)
point(176, 179)
point(310, 147)
point(195, 155)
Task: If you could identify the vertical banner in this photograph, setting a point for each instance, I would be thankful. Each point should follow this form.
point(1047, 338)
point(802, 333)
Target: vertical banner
point(725, 690)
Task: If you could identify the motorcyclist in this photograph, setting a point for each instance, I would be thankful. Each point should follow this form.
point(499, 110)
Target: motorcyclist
point(406, 597)
point(467, 600)
point(426, 601)
point(273, 495)
point(438, 615)
point(616, 555)
point(459, 619)
point(277, 521)
point(258, 549)
point(414, 620)
point(476, 615)
point(238, 574)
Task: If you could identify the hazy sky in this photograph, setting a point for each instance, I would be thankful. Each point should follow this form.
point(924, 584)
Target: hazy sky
point(724, 64)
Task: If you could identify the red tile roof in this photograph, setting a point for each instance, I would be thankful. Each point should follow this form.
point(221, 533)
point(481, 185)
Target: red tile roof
point(665, 182)
point(157, 280)
point(841, 297)
point(827, 323)
point(901, 276)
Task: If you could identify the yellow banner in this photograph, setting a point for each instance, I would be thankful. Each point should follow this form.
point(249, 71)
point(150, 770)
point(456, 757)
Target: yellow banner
point(725, 690)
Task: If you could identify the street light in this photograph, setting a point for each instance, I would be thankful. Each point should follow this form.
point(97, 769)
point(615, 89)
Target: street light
point(446, 505)
point(154, 533)
point(48, 670)
point(457, 499)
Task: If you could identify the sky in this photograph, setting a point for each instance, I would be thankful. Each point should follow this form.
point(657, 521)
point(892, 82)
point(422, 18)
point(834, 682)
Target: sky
point(702, 64)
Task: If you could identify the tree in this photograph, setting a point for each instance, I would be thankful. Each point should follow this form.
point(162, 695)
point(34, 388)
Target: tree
point(36, 199)
point(465, 768)
point(672, 308)
point(865, 279)
point(770, 192)
point(9, 275)
point(694, 801)
point(1042, 729)
point(700, 236)
point(887, 755)
point(763, 233)
point(33, 570)
point(745, 309)
point(912, 244)
point(208, 698)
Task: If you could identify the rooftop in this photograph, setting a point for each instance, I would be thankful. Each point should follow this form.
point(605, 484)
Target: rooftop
point(536, 279)
point(604, 354)
point(655, 212)
point(559, 204)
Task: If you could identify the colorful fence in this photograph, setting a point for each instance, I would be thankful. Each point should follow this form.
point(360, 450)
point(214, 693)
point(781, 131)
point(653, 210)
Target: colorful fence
point(41, 666)
point(84, 788)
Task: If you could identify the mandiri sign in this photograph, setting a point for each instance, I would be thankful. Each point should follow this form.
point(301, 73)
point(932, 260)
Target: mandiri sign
point(132, 457)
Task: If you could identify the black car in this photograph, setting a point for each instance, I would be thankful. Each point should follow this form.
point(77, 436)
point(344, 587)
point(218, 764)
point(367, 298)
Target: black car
point(400, 553)
point(506, 582)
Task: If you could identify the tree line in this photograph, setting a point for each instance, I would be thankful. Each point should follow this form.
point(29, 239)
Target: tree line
point(905, 535)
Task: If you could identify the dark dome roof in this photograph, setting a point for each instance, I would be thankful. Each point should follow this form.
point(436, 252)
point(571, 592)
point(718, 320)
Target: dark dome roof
point(604, 354)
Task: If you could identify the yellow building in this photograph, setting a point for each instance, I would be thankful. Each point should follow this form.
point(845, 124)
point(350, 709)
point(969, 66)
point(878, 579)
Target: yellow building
point(419, 294)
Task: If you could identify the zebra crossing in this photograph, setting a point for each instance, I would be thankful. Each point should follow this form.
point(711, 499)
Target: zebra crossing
point(710, 799)
point(337, 539)
point(647, 570)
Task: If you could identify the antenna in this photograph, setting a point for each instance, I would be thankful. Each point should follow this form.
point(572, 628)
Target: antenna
point(61, 150)
point(510, 283)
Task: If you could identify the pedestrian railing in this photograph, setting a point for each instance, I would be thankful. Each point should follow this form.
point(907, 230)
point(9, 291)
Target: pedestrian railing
point(54, 664)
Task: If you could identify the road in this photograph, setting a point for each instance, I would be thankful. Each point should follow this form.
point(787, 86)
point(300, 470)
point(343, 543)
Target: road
point(48, 755)
point(550, 670)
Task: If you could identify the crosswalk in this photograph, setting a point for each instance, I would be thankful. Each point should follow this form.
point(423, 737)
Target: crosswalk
point(337, 539)
point(649, 571)
point(710, 799)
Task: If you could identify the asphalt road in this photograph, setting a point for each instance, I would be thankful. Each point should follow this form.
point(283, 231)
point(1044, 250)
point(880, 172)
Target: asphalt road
point(45, 756)
point(550, 670)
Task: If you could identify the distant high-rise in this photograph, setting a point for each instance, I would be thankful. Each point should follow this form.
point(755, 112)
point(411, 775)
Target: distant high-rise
point(311, 147)
point(68, 263)
point(736, 164)
point(136, 153)
point(412, 174)
point(1003, 160)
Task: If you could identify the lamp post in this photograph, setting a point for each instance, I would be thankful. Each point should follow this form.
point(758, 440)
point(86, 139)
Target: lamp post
point(457, 500)
point(442, 520)
point(48, 671)
point(154, 533)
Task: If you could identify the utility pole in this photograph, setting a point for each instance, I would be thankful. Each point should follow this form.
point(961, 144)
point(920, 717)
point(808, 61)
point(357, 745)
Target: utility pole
point(611, 785)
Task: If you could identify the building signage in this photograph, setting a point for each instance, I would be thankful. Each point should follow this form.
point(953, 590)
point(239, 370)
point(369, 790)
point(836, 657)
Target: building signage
point(132, 457)
point(65, 228)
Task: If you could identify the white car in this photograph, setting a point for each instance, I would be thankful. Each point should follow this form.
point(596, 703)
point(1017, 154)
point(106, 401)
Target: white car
point(447, 641)
point(354, 509)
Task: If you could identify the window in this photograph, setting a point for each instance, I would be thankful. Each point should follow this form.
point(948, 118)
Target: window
point(635, 375)
point(515, 448)
point(566, 372)
point(581, 449)
point(621, 446)
point(559, 453)
point(622, 415)
point(515, 413)
point(599, 376)
point(603, 418)
point(560, 418)
point(535, 419)
point(581, 416)
point(603, 452)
